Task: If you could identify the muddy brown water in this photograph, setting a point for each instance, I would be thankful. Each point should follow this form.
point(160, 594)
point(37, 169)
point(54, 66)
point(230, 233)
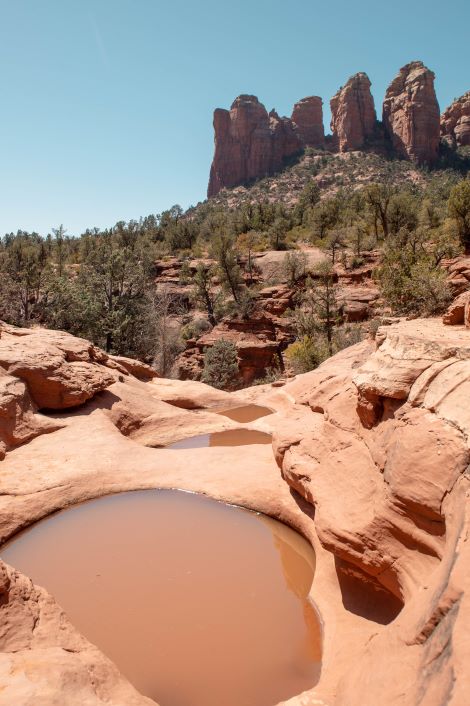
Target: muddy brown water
point(197, 602)
point(230, 437)
point(246, 413)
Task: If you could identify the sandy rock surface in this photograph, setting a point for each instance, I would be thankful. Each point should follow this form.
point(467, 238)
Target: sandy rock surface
point(369, 461)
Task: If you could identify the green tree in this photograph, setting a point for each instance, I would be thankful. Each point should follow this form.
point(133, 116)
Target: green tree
point(224, 252)
point(318, 313)
point(204, 292)
point(221, 365)
point(294, 266)
point(410, 278)
point(459, 209)
point(378, 197)
point(324, 217)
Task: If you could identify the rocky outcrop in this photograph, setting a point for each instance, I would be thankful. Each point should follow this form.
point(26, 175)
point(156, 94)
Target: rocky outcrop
point(458, 313)
point(383, 460)
point(411, 114)
point(258, 338)
point(307, 118)
point(249, 143)
point(353, 117)
point(455, 122)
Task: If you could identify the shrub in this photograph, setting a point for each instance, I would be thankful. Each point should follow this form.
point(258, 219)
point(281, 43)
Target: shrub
point(307, 353)
point(221, 365)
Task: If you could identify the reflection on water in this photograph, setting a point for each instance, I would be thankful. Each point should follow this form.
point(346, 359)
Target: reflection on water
point(198, 603)
point(230, 437)
point(246, 413)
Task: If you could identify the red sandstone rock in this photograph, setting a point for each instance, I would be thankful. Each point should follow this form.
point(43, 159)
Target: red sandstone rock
point(411, 114)
point(455, 314)
point(307, 118)
point(385, 507)
point(132, 367)
point(258, 340)
point(249, 143)
point(353, 117)
point(59, 370)
point(19, 421)
point(455, 122)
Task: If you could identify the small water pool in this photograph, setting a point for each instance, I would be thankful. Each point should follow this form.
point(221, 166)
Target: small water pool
point(246, 413)
point(230, 437)
point(198, 603)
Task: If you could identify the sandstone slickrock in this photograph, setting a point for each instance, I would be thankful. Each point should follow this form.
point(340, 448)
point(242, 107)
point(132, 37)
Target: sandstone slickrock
point(307, 118)
point(353, 117)
point(411, 114)
point(382, 497)
point(455, 122)
point(59, 370)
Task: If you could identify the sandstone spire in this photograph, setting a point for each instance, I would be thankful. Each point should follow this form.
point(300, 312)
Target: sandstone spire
point(249, 143)
point(353, 118)
point(307, 118)
point(411, 114)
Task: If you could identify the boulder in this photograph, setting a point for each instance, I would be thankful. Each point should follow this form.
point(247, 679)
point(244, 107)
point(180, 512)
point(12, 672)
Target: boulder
point(59, 370)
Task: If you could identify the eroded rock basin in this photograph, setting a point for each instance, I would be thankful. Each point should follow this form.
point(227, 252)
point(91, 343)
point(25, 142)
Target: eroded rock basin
point(198, 603)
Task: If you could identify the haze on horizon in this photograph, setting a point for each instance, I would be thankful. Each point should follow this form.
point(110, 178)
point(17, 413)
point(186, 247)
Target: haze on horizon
point(107, 104)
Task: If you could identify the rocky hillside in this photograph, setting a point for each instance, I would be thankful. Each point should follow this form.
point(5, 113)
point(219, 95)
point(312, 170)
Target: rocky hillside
point(251, 144)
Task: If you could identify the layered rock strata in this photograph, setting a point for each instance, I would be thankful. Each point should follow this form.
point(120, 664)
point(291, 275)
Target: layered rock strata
point(353, 117)
point(411, 114)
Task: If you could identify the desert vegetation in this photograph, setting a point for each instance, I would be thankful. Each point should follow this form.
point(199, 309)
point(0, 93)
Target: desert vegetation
point(103, 285)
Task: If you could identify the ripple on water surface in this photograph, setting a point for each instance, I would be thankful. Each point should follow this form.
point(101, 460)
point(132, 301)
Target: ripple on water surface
point(198, 603)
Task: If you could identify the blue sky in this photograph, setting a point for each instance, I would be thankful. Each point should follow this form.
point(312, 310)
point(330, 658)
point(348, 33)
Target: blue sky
point(106, 105)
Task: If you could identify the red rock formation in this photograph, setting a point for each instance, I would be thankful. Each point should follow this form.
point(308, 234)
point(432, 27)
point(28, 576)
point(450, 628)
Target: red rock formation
point(455, 122)
point(411, 114)
point(307, 118)
point(353, 117)
point(258, 339)
point(375, 444)
point(458, 313)
point(249, 143)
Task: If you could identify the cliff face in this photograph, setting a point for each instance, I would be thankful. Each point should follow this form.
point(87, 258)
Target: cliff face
point(411, 114)
point(353, 117)
point(455, 122)
point(249, 143)
point(307, 118)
